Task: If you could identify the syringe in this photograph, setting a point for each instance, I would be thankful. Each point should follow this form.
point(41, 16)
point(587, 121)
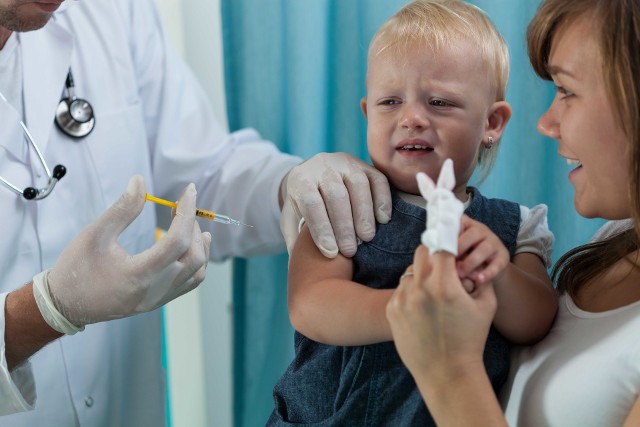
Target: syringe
point(212, 216)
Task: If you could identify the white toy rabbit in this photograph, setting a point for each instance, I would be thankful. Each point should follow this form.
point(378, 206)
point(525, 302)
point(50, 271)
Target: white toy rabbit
point(444, 210)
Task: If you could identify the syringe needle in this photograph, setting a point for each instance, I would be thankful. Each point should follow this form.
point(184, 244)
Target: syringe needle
point(203, 213)
point(225, 219)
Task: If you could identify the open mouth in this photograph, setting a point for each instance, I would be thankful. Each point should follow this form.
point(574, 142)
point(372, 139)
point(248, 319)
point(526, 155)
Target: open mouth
point(574, 162)
point(415, 148)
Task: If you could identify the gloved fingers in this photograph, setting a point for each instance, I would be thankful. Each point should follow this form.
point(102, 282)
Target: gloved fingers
point(123, 211)
point(313, 209)
point(290, 224)
point(381, 194)
point(200, 275)
point(179, 287)
point(338, 207)
point(197, 256)
point(178, 238)
point(188, 279)
point(361, 202)
point(186, 287)
point(193, 266)
point(149, 287)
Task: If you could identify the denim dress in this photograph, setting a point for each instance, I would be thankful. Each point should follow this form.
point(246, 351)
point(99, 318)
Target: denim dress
point(369, 385)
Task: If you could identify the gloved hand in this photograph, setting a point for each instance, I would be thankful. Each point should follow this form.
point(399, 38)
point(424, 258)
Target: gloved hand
point(95, 279)
point(444, 210)
point(340, 197)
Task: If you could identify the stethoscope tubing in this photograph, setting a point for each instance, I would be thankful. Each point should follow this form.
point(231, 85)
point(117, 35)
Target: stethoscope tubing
point(70, 127)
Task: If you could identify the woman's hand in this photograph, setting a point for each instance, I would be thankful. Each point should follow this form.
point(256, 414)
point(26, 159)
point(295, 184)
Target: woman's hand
point(440, 332)
point(438, 327)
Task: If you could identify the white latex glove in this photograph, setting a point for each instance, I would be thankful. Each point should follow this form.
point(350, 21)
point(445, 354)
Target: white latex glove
point(340, 198)
point(444, 210)
point(95, 279)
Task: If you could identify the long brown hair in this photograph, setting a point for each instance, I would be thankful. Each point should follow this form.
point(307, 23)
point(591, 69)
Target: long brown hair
point(616, 25)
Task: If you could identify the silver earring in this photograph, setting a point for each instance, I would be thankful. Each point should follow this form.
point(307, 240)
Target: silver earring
point(489, 143)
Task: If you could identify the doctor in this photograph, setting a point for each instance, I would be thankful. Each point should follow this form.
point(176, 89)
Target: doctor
point(145, 115)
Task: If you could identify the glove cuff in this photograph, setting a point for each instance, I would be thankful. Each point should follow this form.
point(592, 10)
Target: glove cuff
point(49, 312)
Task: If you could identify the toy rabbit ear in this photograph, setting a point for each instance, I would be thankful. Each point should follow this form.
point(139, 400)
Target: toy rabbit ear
point(425, 184)
point(447, 178)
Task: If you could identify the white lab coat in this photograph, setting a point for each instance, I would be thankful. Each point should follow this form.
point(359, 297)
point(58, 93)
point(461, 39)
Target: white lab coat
point(151, 119)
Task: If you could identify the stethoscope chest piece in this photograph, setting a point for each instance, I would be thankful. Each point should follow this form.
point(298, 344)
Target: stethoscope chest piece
point(74, 116)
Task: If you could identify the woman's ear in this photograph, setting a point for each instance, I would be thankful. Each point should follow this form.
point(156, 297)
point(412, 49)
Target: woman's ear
point(499, 116)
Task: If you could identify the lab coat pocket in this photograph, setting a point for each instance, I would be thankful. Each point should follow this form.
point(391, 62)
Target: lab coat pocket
point(119, 148)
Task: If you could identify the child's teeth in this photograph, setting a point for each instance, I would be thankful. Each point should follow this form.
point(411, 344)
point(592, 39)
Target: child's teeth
point(572, 162)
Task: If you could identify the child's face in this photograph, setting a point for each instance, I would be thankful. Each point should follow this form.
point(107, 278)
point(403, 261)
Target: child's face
point(581, 119)
point(423, 107)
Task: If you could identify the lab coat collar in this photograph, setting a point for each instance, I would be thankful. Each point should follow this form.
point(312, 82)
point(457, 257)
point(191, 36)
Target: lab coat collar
point(46, 57)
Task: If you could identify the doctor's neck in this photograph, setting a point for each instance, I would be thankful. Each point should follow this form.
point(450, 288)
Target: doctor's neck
point(4, 36)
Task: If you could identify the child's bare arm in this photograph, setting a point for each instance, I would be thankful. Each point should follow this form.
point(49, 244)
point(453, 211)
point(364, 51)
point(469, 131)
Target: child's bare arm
point(326, 305)
point(526, 298)
point(527, 302)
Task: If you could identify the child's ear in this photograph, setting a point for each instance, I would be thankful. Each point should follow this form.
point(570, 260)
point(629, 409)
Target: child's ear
point(363, 106)
point(499, 116)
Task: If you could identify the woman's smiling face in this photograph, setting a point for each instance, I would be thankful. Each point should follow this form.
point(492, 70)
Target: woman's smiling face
point(582, 120)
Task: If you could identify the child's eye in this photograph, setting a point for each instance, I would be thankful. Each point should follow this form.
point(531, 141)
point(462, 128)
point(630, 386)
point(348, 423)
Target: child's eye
point(389, 101)
point(439, 103)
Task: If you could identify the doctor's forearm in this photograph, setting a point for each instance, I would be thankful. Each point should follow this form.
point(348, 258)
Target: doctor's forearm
point(26, 332)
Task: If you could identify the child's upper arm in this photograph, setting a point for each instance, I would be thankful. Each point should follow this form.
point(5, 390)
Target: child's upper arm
point(533, 265)
point(327, 306)
point(307, 267)
point(527, 302)
point(633, 419)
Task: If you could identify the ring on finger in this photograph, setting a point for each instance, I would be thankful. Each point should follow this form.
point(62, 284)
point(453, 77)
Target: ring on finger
point(408, 273)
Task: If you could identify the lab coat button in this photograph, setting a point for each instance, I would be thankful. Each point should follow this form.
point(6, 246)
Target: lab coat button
point(88, 401)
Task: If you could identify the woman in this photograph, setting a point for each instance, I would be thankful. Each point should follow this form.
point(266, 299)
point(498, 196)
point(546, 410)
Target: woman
point(586, 372)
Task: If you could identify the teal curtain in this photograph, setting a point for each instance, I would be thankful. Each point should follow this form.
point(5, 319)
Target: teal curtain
point(295, 71)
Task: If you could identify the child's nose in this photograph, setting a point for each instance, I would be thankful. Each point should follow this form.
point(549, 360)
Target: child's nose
point(414, 117)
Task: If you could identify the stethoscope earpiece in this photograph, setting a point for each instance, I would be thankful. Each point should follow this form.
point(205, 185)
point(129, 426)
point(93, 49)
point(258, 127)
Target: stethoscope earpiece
point(74, 116)
point(59, 171)
point(30, 193)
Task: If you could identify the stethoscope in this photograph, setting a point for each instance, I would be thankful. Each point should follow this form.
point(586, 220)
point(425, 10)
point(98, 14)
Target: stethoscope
point(75, 118)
